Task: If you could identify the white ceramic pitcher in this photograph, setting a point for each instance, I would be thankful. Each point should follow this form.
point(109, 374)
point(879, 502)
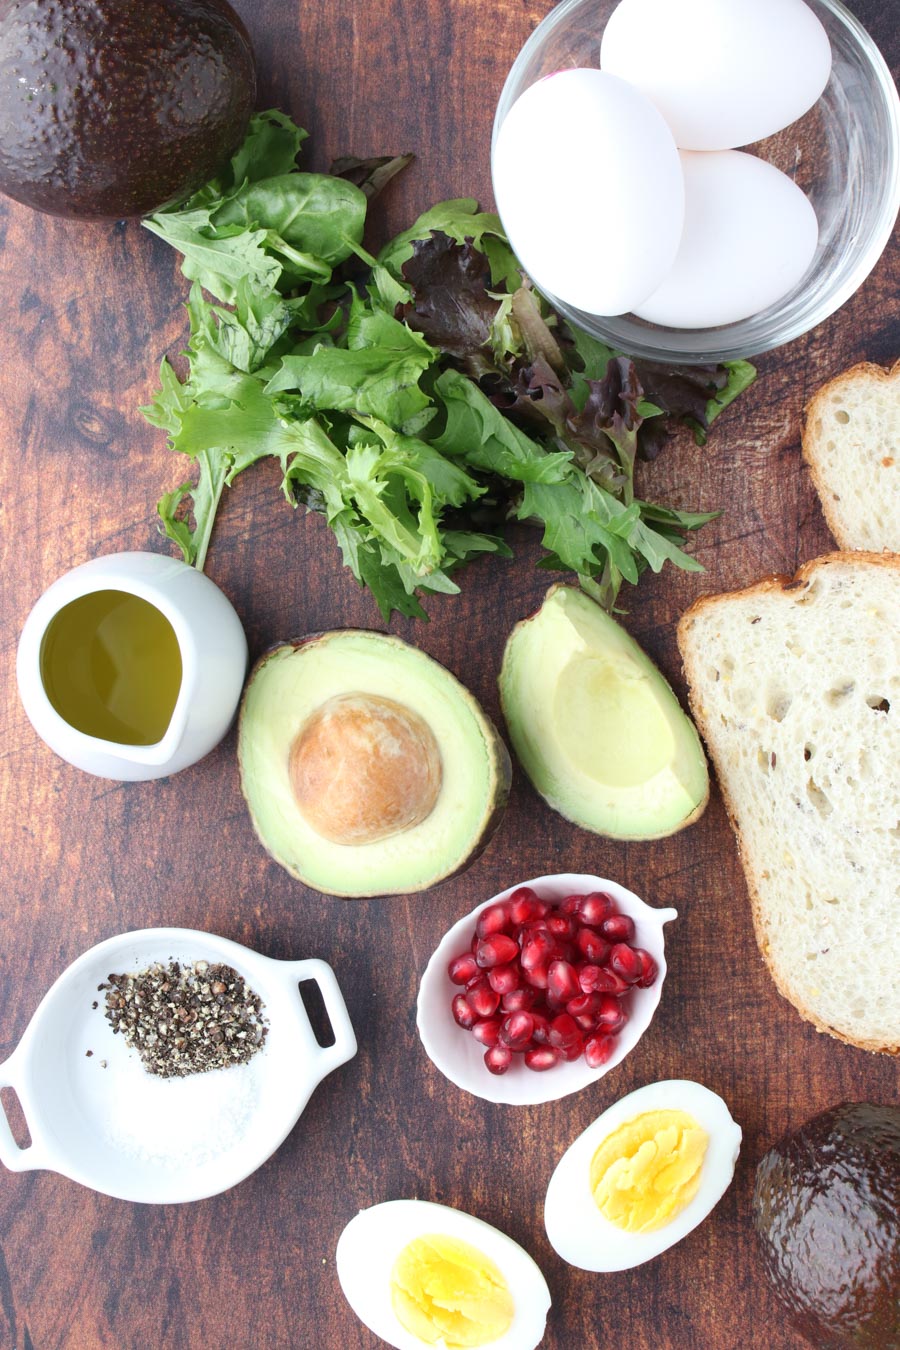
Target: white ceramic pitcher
point(213, 659)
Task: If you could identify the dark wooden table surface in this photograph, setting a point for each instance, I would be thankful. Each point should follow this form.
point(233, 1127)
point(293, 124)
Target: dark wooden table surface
point(87, 310)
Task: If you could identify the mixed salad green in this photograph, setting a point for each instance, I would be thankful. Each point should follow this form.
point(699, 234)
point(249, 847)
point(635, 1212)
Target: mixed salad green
point(418, 399)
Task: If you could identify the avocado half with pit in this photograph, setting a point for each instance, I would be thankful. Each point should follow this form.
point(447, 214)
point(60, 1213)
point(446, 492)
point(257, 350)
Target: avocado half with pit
point(596, 726)
point(367, 767)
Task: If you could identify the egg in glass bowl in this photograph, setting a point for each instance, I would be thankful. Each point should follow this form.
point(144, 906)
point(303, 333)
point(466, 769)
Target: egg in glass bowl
point(776, 232)
point(579, 976)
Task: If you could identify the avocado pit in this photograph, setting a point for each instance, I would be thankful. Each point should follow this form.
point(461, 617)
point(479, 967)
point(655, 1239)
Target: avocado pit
point(363, 768)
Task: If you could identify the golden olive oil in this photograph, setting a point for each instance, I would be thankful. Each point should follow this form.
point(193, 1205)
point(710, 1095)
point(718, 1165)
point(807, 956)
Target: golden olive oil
point(111, 667)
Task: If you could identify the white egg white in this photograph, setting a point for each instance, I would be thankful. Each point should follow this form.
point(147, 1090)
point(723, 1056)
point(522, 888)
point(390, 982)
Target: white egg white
point(370, 1244)
point(576, 1228)
point(589, 188)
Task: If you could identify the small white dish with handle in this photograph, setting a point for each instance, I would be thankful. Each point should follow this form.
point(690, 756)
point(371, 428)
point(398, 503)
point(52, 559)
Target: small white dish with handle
point(96, 1115)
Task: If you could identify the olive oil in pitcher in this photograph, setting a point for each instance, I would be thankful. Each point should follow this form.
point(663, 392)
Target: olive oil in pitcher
point(111, 667)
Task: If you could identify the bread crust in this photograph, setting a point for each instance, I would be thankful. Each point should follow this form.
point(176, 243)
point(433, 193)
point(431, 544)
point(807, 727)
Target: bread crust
point(851, 379)
point(773, 584)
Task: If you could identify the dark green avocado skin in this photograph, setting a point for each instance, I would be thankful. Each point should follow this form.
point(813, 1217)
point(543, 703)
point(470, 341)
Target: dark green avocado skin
point(827, 1212)
point(112, 108)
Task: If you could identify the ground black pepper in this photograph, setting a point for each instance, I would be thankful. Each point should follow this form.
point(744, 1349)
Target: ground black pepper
point(186, 1019)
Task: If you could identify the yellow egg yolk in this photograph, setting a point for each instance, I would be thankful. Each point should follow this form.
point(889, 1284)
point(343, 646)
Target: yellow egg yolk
point(647, 1170)
point(444, 1290)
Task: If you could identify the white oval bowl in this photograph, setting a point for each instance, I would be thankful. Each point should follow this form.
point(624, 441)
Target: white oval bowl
point(461, 1058)
point(83, 1091)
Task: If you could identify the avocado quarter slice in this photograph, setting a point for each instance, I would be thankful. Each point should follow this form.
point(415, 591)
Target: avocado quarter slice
point(596, 726)
point(367, 768)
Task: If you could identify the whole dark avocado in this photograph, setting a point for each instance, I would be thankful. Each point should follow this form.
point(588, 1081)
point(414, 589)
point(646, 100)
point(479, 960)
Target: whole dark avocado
point(112, 108)
point(827, 1212)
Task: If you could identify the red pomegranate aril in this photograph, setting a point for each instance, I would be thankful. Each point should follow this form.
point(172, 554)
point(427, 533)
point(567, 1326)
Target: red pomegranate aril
point(562, 981)
point(592, 946)
point(487, 1031)
point(498, 1058)
point(596, 908)
point(649, 969)
point(523, 905)
point(483, 1000)
point(611, 1016)
point(618, 928)
point(516, 1030)
point(463, 968)
point(571, 904)
point(601, 980)
point(564, 1031)
point(538, 950)
point(496, 950)
point(538, 977)
point(504, 979)
point(544, 1057)
point(625, 961)
point(597, 1050)
point(519, 1000)
point(561, 926)
point(494, 919)
point(541, 1033)
point(464, 1015)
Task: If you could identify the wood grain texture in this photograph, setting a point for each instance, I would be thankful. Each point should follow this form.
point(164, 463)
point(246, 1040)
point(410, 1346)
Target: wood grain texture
point(88, 312)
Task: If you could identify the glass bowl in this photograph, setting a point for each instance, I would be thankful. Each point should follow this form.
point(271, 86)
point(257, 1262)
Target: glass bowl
point(844, 153)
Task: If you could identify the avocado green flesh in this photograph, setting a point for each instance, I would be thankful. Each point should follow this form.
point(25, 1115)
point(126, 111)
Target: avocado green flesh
point(826, 1207)
point(290, 684)
point(595, 725)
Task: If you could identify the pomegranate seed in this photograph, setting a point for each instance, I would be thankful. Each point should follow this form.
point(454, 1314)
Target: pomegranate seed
point(592, 946)
point(538, 950)
point(611, 1016)
point(586, 1011)
point(561, 926)
point(498, 1058)
point(649, 969)
point(483, 1000)
point(538, 977)
point(571, 904)
point(494, 919)
point(564, 1031)
point(596, 908)
point(496, 950)
point(618, 928)
point(524, 905)
point(516, 1030)
point(562, 981)
point(462, 968)
point(541, 1033)
point(543, 1058)
point(463, 1014)
point(597, 1050)
point(597, 980)
point(625, 961)
point(487, 1031)
point(518, 1000)
point(504, 979)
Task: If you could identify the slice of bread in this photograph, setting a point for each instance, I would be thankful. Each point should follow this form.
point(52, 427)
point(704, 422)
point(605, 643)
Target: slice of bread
point(851, 442)
point(795, 686)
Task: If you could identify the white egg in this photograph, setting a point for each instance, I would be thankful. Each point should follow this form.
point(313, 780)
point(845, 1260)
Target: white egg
point(749, 236)
point(577, 1229)
point(371, 1243)
point(589, 188)
point(723, 73)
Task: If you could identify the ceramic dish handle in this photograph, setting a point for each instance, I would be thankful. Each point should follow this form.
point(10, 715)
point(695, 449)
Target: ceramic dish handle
point(344, 1048)
point(11, 1155)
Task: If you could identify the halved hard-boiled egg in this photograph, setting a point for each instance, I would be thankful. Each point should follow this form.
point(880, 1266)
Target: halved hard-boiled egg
point(642, 1176)
point(421, 1274)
